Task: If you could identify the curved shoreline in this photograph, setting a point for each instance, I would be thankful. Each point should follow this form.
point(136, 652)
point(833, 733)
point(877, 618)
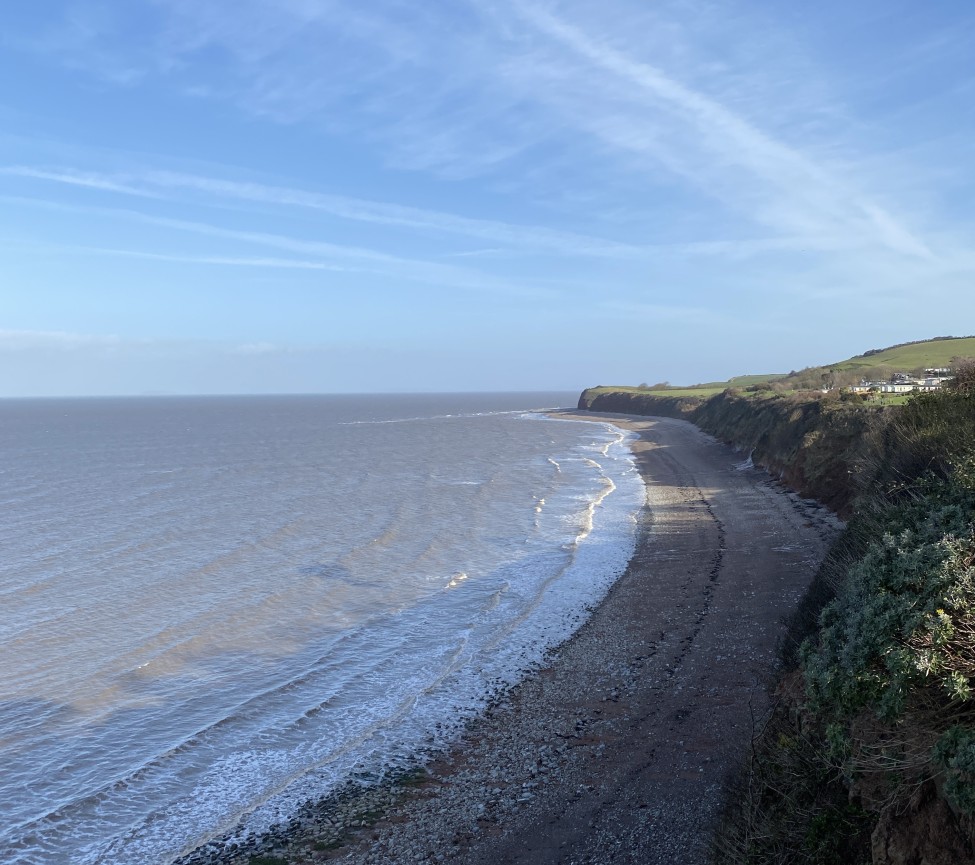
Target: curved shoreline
point(617, 751)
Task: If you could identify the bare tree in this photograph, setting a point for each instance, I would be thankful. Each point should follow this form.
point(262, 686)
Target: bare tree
point(963, 369)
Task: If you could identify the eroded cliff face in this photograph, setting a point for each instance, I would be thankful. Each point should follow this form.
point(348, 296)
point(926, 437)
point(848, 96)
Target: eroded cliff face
point(814, 444)
point(634, 402)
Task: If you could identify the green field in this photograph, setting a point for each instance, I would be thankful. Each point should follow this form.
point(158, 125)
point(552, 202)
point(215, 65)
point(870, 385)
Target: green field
point(746, 380)
point(932, 353)
point(903, 358)
point(891, 399)
point(703, 390)
point(697, 390)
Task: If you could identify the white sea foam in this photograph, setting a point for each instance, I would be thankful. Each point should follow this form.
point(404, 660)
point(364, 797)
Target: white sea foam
point(746, 463)
point(456, 580)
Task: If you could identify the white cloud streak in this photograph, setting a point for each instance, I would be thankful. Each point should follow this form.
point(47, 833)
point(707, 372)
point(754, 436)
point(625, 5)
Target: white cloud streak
point(525, 238)
point(215, 260)
point(344, 258)
point(152, 183)
point(819, 200)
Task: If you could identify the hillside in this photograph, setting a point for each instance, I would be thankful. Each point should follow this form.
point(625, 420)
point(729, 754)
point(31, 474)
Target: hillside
point(938, 352)
point(905, 357)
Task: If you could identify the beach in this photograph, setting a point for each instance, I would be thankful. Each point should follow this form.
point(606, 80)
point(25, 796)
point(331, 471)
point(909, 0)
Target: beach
point(620, 748)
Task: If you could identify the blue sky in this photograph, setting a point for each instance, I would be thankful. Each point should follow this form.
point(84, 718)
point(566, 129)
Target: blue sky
point(205, 196)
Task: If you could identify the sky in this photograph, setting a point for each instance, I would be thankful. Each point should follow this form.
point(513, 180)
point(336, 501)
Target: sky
point(326, 196)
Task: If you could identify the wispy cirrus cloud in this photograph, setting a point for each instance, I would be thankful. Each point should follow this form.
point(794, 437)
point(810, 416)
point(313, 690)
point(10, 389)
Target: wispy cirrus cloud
point(327, 256)
point(162, 184)
point(260, 263)
point(792, 190)
point(83, 38)
point(59, 343)
point(83, 179)
point(256, 348)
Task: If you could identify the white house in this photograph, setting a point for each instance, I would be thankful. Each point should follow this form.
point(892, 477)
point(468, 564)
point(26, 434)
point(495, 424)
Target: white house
point(901, 382)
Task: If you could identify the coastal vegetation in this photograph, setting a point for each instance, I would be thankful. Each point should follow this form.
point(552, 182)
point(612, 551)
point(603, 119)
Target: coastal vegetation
point(869, 753)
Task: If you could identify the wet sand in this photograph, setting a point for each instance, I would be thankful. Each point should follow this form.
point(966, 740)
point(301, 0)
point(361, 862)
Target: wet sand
point(618, 751)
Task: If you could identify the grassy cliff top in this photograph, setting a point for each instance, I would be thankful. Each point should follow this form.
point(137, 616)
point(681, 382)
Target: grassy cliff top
point(937, 352)
point(913, 355)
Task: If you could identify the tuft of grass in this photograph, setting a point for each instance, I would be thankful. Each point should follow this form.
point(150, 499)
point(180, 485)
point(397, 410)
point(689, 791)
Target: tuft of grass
point(686, 391)
point(748, 380)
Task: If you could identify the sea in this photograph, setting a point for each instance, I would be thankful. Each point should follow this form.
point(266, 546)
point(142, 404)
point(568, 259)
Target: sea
point(213, 609)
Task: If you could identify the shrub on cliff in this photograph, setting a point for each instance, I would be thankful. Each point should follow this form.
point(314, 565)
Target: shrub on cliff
point(955, 754)
point(964, 375)
point(904, 618)
point(891, 674)
point(934, 433)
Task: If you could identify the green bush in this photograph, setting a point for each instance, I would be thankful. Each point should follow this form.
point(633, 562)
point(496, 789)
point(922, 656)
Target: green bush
point(905, 616)
point(955, 753)
point(932, 434)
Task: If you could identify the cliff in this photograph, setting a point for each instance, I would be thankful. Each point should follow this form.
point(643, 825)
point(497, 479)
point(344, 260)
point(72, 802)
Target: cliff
point(813, 442)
